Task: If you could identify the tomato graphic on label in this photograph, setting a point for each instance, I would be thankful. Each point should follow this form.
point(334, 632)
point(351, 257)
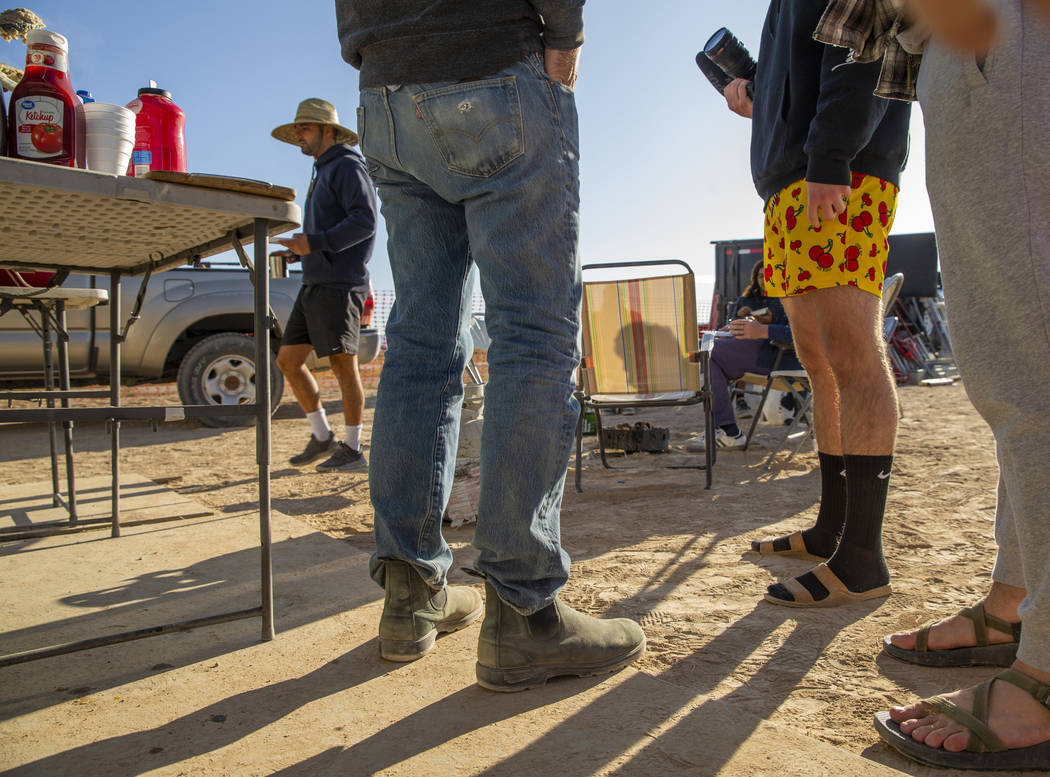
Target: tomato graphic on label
point(49, 59)
point(47, 138)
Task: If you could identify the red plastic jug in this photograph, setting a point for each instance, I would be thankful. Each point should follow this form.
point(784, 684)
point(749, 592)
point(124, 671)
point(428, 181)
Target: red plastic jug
point(160, 143)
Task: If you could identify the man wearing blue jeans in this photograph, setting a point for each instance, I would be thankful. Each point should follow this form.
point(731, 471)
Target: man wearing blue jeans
point(468, 124)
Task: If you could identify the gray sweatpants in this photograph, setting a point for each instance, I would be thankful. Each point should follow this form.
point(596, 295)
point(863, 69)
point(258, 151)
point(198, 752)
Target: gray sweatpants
point(988, 175)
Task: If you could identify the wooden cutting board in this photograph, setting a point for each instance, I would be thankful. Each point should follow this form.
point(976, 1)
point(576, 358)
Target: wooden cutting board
point(228, 183)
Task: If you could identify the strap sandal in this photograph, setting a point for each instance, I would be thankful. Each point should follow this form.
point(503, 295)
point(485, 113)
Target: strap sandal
point(796, 547)
point(981, 654)
point(985, 750)
point(838, 593)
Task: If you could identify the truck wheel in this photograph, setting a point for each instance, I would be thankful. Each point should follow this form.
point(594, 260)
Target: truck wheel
point(220, 370)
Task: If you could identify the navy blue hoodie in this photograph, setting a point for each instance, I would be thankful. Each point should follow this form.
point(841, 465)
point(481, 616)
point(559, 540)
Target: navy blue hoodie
point(815, 115)
point(339, 221)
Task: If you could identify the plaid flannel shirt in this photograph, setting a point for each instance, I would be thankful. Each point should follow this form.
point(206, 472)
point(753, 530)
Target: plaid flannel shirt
point(870, 29)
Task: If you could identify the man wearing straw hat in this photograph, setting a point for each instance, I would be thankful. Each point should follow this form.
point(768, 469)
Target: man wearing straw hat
point(334, 247)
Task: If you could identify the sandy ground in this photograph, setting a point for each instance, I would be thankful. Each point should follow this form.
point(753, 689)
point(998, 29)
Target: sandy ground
point(648, 542)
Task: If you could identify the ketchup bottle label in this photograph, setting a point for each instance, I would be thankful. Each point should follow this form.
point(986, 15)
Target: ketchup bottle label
point(46, 55)
point(39, 121)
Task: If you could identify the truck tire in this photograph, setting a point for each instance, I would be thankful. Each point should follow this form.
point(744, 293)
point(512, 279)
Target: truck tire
point(220, 370)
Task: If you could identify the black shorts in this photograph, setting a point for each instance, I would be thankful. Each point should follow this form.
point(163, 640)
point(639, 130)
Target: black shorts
point(326, 318)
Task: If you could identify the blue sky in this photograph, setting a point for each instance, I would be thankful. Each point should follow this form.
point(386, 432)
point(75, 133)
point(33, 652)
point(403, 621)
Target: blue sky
point(664, 164)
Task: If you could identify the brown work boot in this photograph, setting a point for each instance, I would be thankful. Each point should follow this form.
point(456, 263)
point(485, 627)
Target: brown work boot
point(414, 613)
point(517, 652)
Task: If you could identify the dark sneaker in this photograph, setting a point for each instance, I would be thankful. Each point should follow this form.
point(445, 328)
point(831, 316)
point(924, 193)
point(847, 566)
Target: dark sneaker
point(516, 652)
point(414, 613)
point(343, 459)
point(314, 450)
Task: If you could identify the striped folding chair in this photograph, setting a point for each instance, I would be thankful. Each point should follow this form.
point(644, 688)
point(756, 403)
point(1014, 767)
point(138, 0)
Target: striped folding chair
point(641, 347)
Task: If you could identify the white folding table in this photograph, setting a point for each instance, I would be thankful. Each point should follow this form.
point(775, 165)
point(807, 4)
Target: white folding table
point(70, 220)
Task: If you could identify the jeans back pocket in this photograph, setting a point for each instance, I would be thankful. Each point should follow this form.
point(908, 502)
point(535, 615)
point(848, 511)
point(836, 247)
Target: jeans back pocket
point(476, 126)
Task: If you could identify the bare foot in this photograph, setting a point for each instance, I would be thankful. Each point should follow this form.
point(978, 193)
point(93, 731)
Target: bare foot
point(957, 631)
point(1014, 716)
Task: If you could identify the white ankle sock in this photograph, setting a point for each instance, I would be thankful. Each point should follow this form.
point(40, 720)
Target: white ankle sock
point(319, 424)
point(352, 437)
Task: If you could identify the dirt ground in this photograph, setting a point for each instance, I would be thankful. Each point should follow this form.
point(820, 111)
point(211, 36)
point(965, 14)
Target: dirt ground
point(648, 542)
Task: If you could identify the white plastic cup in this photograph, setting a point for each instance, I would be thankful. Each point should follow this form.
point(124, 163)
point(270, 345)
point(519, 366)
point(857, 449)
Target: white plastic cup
point(106, 153)
point(108, 118)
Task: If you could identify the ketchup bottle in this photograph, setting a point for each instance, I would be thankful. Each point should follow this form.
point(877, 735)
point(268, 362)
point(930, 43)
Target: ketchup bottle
point(160, 143)
point(42, 124)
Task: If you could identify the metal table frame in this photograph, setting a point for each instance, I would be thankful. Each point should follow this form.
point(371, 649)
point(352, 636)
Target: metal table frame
point(142, 227)
point(51, 304)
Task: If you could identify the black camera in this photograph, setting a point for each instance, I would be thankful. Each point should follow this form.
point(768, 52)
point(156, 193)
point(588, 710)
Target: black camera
point(724, 59)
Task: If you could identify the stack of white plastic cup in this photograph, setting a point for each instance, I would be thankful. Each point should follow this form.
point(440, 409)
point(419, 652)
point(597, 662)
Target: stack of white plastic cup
point(109, 137)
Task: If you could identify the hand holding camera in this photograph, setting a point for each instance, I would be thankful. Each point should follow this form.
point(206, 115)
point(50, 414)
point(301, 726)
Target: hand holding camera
point(724, 60)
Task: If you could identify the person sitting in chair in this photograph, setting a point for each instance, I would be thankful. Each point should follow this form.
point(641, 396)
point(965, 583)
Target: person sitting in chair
point(758, 322)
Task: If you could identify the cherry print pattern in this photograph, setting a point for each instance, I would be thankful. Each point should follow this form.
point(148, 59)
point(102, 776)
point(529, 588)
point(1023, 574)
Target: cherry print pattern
point(802, 260)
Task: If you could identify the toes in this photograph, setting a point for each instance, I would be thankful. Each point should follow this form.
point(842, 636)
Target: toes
point(957, 741)
point(922, 732)
point(939, 732)
point(903, 639)
point(912, 712)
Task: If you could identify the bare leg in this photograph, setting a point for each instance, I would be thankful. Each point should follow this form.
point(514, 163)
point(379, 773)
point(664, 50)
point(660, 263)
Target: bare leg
point(822, 538)
point(842, 333)
point(851, 329)
point(344, 365)
point(809, 346)
point(291, 360)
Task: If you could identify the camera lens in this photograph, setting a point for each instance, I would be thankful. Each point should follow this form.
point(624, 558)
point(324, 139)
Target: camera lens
point(728, 53)
point(717, 41)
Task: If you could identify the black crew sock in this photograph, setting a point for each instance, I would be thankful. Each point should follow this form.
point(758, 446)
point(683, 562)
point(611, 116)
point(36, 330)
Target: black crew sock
point(859, 561)
point(731, 429)
point(823, 537)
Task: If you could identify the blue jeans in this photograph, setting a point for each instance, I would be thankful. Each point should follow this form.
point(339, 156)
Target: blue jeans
point(481, 174)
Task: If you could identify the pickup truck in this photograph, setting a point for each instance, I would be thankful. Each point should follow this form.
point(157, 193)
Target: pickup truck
point(195, 327)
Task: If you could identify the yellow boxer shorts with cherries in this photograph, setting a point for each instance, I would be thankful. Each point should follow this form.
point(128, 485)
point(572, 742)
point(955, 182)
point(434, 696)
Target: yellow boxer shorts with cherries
point(850, 250)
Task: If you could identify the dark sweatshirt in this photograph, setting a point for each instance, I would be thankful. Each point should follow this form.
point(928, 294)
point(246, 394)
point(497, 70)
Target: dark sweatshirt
point(419, 41)
point(815, 116)
point(339, 221)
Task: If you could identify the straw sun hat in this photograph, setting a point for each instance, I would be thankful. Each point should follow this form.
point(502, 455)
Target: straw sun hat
point(314, 110)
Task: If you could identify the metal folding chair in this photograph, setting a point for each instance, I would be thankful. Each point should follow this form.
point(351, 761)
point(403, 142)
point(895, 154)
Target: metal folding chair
point(641, 348)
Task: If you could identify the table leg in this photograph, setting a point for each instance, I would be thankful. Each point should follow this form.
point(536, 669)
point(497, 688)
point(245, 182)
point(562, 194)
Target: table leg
point(114, 396)
point(67, 426)
point(262, 426)
point(49, 386)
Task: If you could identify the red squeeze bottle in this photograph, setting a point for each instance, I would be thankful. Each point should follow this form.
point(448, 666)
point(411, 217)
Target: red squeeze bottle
point(42, 122)
point(160, 143)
